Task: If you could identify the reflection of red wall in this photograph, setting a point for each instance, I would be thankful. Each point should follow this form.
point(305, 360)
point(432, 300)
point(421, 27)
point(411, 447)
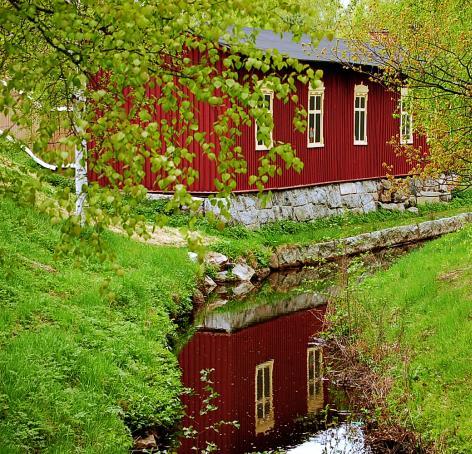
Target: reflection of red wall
point(234, 358)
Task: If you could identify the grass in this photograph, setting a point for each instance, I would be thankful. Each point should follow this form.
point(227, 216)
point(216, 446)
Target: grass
point(414, 324)
point(85, 355)
point(256, 245)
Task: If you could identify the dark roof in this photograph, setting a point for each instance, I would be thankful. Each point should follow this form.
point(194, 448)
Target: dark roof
point(332, 51)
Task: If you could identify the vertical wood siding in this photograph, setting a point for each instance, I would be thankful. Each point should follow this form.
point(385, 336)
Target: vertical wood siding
point(234, 358)
point(339, 159)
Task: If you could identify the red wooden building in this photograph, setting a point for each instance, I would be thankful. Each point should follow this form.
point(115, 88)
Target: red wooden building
point(267, 375)
point(350, 122)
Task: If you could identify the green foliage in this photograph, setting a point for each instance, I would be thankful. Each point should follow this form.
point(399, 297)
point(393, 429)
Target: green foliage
point(413, 321)
point(425, 45)
point(84, 352)
point(129, 77)
point(207, 406)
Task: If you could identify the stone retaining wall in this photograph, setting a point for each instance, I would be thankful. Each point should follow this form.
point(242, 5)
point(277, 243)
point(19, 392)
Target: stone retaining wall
point(290, 256)
point(304, 204)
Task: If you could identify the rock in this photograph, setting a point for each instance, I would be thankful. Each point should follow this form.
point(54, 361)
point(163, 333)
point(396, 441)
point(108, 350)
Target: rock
point(351, 200)
point(347, 188)
point(148, 442)
point(317, 195)
point(243, 272)
point(368, 185)
point(209, 284)
point(424, 200)
point(243, 288)
point(385, 197)
point(386, 184)
point(262, 273)
point(266, 216)
point(304, 212)
point(274, 261)
point(193, 256)
point(290, 256)
point(225, 276)
point(392, 206)
point(216, 259)
point(428, 197)
point(333, 197)
point(249, 201)
point(299, 197)
point(221, 290)
point(369, 206)
point(218, 303)
point(248, 217)
point(198, 297)
point(445, 197)
point(399, 197)
point(286, 212)
point(413, 210)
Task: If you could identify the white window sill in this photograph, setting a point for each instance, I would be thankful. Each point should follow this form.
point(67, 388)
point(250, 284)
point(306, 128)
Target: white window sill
point(406, 142)
point(315, 145)
point(360, 143)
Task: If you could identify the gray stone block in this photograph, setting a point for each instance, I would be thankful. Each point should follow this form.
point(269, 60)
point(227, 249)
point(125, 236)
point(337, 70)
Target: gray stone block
point(392, 206)
point(303, 213)
point(298, 197)
point(333, 196)
point(286, 212)
point(317, 195)
point(247, 217)
point(351, 201)
point(369, 185)
point(347, 188)
point(369, 206)
point(320, 211)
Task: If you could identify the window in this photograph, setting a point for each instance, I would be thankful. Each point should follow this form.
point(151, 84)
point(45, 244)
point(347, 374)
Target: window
point(360, 114)
point(406, 119)
point(315, 117)
point(264, 397)
point(269, 104)
point(315, 394)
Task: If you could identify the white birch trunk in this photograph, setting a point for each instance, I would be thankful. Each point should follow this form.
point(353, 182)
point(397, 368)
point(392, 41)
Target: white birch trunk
point(80, 165)
point(80, 180)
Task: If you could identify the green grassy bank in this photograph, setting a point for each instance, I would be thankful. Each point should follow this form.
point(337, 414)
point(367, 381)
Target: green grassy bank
point(81, 369)
point(238, 241)
point(413, 324)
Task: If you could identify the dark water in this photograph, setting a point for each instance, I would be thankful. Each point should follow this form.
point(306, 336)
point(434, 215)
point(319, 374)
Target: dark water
point(257, 369)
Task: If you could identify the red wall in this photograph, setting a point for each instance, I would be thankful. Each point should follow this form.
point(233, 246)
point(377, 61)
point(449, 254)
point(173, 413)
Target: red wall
point(234, 358)
point(339, 160)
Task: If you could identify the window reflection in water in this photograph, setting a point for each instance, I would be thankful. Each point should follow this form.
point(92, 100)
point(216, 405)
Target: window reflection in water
point(264, 397)
point(315, 394)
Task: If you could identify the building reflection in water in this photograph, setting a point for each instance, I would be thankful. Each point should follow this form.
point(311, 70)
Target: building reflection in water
point(267, 375)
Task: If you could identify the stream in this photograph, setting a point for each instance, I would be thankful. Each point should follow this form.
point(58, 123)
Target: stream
point(255, 367)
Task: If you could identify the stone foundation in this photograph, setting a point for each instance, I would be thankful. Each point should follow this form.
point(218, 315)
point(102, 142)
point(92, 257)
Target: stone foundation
point(304, 204)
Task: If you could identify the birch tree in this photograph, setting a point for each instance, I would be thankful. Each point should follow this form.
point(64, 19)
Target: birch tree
point(114, 51)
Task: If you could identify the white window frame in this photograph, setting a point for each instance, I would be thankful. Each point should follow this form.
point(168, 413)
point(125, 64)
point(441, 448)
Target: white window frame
point(405, 140)
point(267, 421)
point(315, 92)
point(315, 399)
point(263, 146)
point(362, 92)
